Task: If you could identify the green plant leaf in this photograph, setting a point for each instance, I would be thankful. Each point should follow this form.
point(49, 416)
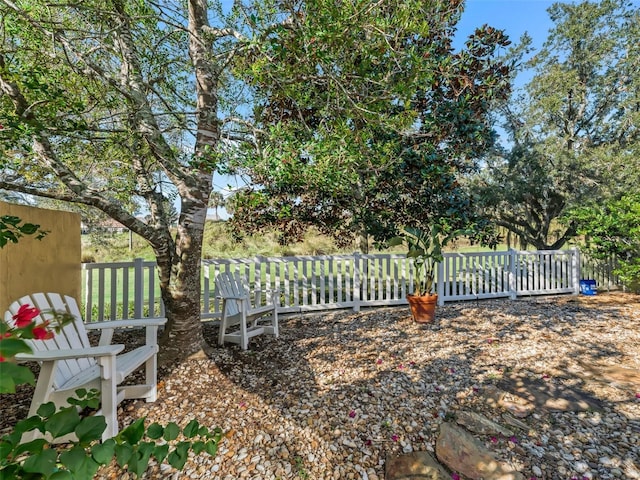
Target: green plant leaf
point(160, 452)
point(10, 347)
point(12, 375)
point(198, 447)
point(43, 462)
point(123, 454)
point(46, 409)
point(155, 431)
point(90, 428)
point(34, 446)
point(7, 384)
point(191, 430)
point(104, 452)
point(171, 431)
point(79, 463)
point(28, 424)
point(63, 422)
point(5, 449)
point(140, 461)
point(134, 432)
point(61, 475)
point(211, 447)
point(179, 456)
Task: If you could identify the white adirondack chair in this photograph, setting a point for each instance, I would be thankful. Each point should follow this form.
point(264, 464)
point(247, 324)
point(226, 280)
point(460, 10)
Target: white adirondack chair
point(69, 362)
point(237, 311)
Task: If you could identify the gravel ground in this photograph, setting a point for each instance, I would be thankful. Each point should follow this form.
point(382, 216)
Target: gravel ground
point(340, 391)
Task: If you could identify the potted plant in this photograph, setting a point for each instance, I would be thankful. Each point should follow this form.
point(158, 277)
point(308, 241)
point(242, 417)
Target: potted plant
point(424, 246)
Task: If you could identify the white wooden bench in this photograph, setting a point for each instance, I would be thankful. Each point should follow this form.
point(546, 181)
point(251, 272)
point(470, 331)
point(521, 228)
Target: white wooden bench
point(69, 362)
point(237, 311)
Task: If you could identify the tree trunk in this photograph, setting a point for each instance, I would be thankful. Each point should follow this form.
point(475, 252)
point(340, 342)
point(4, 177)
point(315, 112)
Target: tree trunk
point(180, 285)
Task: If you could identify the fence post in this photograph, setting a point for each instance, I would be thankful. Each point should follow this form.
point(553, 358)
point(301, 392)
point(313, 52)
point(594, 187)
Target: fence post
point(138, 287)
point(88, 293)
point(356, 282)
point(440, 282)
point(575, 269)
point(513, 286)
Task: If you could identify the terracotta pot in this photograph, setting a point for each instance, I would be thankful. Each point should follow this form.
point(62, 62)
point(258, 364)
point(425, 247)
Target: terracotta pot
point(423, 308)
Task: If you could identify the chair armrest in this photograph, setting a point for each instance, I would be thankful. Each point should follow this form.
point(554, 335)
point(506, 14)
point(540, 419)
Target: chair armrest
point(133, 322)
point(107, 328)
point(224, 297)
point(104, 351)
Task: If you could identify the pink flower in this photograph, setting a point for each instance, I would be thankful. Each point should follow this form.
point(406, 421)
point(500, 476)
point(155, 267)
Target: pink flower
point(2, 359)
point(513, 439)
point(412, 363)
point(494, 440)
point(545, 376)
point(455, 476)
point(638, 395)
point(379, 361)
point(368, 442)
point(25, 315)
point(352, 413)
point(394, 437)
point(401, 366)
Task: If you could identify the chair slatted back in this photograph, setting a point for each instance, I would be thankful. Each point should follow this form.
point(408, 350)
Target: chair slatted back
point(232, 284)
point(73, 335)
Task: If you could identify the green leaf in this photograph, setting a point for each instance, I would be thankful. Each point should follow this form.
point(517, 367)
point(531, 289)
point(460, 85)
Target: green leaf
point(198, 447)
point(79, 462)
point(12, 375)
point(43, 462)
point(212, 447)
point(191, 430)
point(10, 347)
point(134, 432)
point(179, 456)
point(34, 446)
point(28, 424)
point(5, 448)
point(155, 431)
point(160, 452)
point(123, 454)
point(63, 422)
point(46, 409)
point(91, 428)
point(104, 452)
point(139, 463)
point(61, 475)
point(7, 385)
point(171, 431)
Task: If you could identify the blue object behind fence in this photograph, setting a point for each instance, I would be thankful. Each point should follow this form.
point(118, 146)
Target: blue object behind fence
point(588, 287)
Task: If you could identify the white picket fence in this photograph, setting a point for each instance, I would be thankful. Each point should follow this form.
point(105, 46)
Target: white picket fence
point(307, 283)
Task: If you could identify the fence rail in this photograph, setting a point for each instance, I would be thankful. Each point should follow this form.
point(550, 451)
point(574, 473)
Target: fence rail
point(307, 283)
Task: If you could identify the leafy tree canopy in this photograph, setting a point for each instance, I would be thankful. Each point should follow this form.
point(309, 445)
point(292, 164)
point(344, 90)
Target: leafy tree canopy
point(366, 117)
point(574, 130)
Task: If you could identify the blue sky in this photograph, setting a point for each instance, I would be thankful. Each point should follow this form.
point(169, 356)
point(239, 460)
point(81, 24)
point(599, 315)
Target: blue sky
point(513, 16)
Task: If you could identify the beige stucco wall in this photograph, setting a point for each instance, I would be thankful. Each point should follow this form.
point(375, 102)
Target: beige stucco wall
point(48, 265)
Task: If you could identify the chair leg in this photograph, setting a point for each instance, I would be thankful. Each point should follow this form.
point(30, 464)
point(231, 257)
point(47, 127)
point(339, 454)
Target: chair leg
point(244, 336)
point(223, 323)
point(109, 396)
point(151, 378)
point(276, 332)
